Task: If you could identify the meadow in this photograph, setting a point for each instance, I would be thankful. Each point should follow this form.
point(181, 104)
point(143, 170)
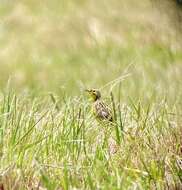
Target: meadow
point(51, 51)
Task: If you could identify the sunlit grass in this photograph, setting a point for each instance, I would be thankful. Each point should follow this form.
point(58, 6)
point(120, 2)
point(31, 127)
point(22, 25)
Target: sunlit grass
point(60, 145)
point(52, 51)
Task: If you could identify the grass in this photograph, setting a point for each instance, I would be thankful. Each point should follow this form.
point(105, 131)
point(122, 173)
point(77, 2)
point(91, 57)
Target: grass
point(43, 145)
point(50, 53)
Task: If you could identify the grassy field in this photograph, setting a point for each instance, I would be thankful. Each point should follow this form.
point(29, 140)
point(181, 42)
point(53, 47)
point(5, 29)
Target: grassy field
point(50, 52)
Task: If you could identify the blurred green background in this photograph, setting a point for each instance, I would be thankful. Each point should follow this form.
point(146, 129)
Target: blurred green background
point(55, 45)
point(52, 48)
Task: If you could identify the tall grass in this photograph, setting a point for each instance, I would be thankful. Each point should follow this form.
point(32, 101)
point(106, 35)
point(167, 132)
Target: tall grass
point(50, 52)
point(42, 146)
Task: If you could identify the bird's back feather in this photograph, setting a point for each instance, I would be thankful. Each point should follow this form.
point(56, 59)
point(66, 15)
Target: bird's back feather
point(102, 111)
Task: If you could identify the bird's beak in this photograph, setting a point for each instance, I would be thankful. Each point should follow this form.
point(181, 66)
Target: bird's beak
point(87, 90)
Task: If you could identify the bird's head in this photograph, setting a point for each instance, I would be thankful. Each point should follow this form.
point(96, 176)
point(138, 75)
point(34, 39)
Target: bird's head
point(95, 94)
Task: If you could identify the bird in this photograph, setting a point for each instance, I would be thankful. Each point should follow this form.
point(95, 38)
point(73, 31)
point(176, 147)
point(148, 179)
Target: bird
point(101, 111)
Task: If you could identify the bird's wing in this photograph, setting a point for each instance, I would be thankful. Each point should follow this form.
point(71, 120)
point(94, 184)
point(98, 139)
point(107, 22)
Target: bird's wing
point(103, 111)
